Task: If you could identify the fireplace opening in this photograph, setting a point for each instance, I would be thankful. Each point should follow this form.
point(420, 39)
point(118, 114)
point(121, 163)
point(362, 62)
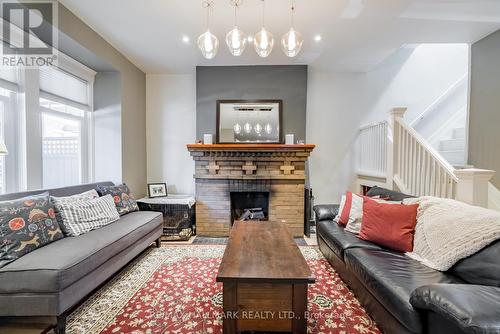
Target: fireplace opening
point(249, 206)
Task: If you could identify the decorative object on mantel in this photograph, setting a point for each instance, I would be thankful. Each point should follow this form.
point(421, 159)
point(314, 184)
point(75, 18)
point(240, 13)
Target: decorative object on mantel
point(207, 139)
point(157, 190)
point(179, 215)
point(289, 139)
point(263, 40)
point(219, 166)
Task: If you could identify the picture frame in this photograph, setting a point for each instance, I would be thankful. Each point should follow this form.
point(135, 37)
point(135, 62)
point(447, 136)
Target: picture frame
point(157, 190)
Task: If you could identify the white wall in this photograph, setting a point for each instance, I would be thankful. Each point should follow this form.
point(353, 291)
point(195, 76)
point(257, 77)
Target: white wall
point(340, 103)
point(171, 124)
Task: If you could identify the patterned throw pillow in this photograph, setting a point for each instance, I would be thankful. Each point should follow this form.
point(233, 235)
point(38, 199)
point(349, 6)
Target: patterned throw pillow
point(25, 225)
point(79, 217)
point(124, 200)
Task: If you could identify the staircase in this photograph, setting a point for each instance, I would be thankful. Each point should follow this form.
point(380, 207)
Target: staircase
point(453, 149)
point(394, 155)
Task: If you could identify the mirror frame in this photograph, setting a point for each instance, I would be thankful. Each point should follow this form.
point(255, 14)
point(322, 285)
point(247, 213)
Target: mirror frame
point(280, 120)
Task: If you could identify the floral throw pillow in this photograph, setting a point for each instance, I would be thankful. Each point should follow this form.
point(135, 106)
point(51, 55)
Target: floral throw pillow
point(124, 200)
point(25, 225)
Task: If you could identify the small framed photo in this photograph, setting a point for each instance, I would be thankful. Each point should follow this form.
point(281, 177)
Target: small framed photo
point(157, 190)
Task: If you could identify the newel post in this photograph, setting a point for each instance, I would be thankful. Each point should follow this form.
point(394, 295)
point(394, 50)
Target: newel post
point(472, 186)
point(392, 144)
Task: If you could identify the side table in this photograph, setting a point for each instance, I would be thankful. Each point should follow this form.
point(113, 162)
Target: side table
point(179, 218)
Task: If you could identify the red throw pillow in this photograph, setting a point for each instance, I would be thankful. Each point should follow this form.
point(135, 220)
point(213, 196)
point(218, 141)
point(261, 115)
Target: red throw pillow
point(389, 225)
point(344, 215)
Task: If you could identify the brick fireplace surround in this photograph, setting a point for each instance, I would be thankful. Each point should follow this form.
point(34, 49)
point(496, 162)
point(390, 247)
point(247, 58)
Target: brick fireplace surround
point(223, 168)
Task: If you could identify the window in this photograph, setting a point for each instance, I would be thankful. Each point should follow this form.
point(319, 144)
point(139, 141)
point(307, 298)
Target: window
point(9, 130)
point(65, 120)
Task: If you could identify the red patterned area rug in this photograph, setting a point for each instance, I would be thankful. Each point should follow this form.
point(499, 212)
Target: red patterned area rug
point(173, 290)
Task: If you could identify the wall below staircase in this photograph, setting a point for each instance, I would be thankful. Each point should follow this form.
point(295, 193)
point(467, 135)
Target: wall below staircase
point(484, 118)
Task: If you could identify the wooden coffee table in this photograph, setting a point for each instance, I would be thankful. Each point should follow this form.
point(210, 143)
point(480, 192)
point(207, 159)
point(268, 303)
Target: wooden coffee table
point(265, 279)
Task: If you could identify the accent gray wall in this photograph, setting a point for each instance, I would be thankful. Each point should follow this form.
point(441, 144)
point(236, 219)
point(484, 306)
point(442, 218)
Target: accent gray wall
point(283, 82)
point(484, 117)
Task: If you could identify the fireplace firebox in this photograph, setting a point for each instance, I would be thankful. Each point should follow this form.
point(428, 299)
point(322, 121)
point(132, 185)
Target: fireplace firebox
point(249, 205)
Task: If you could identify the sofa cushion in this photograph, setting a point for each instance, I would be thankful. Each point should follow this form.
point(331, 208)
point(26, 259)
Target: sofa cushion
point(481, 268)
point(339, 240)
point(59, 264)
point(391, 278)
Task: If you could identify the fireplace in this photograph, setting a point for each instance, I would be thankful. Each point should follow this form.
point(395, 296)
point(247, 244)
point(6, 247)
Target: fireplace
point(249, 205)
point(233, 177)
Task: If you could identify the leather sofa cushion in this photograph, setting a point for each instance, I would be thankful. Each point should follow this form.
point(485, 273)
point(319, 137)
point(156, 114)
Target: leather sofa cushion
point(387, 194)
point(391, 278)
point(59, 264)
point(471, 308)
point(481, 268)
point(339, 240)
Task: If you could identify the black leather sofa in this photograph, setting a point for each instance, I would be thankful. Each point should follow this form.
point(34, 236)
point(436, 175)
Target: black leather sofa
point(403, 295)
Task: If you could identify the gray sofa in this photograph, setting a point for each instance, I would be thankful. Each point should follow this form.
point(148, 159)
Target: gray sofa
point(53, 279)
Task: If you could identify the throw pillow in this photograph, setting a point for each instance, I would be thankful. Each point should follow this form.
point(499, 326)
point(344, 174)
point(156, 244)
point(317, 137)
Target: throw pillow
point(341, 208)
point(124, 200)
point(71, 199)
point(354, 225)
point(25, 225)
point(79, 217)
point(391, 226)
point(353, 210)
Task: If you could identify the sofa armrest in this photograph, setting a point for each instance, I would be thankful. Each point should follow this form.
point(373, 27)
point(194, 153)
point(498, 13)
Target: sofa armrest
point(472, 308)
point(325, 212)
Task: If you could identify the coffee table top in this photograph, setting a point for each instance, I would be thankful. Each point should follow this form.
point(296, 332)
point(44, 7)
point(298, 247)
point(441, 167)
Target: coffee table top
point(263, 251)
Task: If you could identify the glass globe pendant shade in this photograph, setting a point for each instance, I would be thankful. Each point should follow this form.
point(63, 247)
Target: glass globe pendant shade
point(268, 128)
point(291, 43)
point(236, 41)
point(263, 42)
point(247, 127)
point(208, 44)
point(257, 128)
point(237, 128)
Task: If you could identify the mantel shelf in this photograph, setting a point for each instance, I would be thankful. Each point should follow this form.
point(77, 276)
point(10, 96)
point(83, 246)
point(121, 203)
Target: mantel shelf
point(250, 147)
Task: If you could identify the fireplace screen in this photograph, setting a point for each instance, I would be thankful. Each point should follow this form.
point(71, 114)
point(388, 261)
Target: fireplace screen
point(243, 121)
point(249, 206)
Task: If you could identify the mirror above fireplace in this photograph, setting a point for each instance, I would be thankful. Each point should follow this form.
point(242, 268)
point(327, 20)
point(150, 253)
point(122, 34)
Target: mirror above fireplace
point(249, 121)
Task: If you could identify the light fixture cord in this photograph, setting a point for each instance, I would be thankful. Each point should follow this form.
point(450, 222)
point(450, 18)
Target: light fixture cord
point(293, 13)
point(263, 13)
point(235, 15)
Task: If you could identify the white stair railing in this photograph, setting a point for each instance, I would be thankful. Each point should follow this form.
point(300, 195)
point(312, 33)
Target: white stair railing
point(413, 166)
point(419, 169)
point(372, 150)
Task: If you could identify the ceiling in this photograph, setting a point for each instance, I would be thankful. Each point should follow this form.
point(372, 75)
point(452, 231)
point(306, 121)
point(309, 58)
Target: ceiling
point(357, 35)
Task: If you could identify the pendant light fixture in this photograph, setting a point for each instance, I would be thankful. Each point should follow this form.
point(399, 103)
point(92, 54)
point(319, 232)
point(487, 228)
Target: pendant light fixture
point(263, 41)
point(291, 42)
point(208, 42)
point(235, 39)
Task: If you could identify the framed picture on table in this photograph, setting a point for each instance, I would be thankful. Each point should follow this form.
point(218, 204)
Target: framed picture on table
point(157, 190)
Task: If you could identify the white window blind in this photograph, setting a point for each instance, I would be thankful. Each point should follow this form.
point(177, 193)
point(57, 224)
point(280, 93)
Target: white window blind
point(9, 78)
point(61, 86)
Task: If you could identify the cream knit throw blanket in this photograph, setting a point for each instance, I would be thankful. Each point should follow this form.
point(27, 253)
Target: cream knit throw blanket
point(448, 231)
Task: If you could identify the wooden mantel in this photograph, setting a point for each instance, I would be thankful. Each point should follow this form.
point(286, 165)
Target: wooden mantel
point(250, 147)
point(274, 168)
